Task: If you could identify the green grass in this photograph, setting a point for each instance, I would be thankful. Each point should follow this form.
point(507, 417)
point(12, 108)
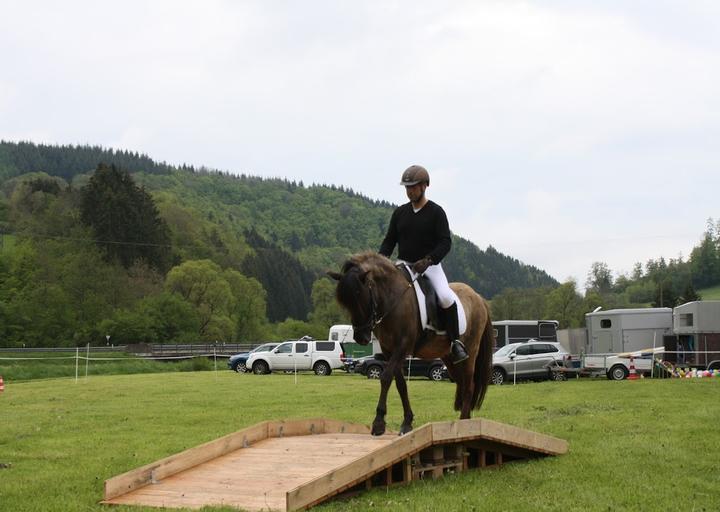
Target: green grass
point(710, 293)
point(645, 445)
point(29, 366)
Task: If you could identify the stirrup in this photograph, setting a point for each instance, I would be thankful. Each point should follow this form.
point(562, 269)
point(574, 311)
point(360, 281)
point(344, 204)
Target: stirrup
point(457, 350)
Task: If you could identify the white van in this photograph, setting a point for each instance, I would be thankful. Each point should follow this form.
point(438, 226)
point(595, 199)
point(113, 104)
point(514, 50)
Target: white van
point(304, 354)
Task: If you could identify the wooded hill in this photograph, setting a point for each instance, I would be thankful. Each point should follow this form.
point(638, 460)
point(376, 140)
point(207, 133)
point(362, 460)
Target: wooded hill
point(99, 240)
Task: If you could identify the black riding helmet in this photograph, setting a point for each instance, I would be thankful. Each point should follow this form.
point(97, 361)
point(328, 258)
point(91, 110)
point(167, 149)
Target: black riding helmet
point(413, 175)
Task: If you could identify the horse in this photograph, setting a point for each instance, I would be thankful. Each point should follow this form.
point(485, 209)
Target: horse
point(379, 299)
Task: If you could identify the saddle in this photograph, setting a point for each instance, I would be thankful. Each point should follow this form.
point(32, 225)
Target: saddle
point(432, 316)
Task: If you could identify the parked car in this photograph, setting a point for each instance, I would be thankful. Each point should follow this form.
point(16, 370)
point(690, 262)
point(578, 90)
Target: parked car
point(237, 362)
point(304, 354)
point(530, 359)
point(372, 367)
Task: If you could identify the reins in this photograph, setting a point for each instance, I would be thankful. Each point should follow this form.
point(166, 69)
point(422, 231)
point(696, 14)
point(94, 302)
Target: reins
point(374, 320)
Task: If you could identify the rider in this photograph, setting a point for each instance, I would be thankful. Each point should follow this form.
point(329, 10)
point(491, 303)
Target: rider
point(420, 230)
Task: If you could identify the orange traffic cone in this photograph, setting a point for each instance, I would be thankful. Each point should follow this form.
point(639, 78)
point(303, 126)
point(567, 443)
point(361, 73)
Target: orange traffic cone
point(633, 374)
point(2, 384)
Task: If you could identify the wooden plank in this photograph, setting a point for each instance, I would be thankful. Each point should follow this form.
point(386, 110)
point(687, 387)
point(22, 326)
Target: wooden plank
point(173, 464)
point(478, 427)
point(295, 464)
point(344, 427)
point(507, 434)
point(267, 469)
point(356, 471)
point(289, 428)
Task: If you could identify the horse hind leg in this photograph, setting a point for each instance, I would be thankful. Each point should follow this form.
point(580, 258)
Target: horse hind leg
point(464, 387)
point(408, 415)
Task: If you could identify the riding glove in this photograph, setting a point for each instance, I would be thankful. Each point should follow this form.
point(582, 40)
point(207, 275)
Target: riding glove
point(420, 266)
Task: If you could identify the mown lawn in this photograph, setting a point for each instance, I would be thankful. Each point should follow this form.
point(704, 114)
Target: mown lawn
point(710, 293)
point(22, 366)
point(644, 445)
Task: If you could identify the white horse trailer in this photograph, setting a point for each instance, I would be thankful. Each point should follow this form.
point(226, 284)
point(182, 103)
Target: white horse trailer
point(627, 330)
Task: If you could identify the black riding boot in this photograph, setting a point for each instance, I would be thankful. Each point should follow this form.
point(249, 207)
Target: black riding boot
point(457, 349)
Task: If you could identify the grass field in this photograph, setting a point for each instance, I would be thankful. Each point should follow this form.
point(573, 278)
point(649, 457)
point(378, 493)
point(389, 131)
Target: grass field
point(643, 445)
point(16, 366)
point(710, 293)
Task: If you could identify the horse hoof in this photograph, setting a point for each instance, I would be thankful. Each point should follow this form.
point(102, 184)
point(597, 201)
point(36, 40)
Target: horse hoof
point(404, 429)
point(378, 430)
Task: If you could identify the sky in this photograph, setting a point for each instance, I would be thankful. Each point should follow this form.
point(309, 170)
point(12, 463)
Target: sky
point(560, 132)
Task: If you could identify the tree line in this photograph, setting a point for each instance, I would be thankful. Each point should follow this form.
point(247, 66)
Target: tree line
point(657, 283)
point(155, 253)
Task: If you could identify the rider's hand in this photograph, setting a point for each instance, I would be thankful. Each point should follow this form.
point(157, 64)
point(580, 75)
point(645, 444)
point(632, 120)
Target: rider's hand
point(420, 266)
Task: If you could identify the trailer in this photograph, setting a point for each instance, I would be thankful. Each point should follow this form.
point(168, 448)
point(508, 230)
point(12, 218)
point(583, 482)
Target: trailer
point(516, 331)
point(619, 366)
point(352, 350)
point(645, 363)
point(696, 340)
point(627, 330)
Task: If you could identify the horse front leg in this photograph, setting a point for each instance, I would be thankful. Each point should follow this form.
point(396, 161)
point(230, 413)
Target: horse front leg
point(378, 426)
point(407, 410)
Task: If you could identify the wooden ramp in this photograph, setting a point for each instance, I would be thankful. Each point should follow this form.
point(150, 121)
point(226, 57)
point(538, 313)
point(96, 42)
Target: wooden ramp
point(291, 465)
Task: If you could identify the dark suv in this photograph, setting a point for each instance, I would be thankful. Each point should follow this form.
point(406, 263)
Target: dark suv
point(372, 367)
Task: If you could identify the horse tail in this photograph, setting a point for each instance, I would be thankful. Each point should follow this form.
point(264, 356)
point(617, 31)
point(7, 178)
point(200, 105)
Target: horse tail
point(483, 363)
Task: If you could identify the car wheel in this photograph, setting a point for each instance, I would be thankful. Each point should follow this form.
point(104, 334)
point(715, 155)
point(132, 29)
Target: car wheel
point(436, 373)
point(498, 376)
point(557, 375)
point(260, 368)
point(322, 368)
point(240, 367)
point(618, 372)
point(374, 372)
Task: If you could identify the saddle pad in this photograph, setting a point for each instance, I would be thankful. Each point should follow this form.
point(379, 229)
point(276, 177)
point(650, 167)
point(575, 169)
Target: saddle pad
point(462, 321)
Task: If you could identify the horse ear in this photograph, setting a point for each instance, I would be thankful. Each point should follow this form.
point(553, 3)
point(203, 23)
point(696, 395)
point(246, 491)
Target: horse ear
point(335, 275)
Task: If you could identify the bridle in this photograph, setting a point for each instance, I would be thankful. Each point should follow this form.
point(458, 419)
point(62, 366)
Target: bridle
point(374, 319)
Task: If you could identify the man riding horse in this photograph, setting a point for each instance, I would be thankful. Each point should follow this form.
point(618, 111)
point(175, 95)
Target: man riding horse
point(421, 232)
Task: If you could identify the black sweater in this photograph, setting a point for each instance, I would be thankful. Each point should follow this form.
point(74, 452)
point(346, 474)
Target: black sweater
point(417, 235)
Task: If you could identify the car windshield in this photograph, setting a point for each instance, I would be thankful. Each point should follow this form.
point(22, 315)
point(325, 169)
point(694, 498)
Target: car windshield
point(503, 351)
point(264, 348)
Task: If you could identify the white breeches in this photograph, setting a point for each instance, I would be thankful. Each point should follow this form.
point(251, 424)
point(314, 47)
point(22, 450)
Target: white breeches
point(436, 274)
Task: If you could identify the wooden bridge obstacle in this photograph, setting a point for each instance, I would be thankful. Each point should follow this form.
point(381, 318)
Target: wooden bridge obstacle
point(293, 465)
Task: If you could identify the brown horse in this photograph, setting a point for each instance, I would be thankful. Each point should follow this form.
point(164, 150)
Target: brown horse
point(379, 299)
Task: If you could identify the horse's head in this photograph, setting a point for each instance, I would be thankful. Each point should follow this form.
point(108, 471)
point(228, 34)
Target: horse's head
point(354, 293)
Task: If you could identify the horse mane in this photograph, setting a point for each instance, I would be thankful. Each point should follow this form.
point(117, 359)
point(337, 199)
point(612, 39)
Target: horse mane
point(378, 265)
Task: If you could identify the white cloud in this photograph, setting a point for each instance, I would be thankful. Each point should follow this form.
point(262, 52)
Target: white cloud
point(559, 132)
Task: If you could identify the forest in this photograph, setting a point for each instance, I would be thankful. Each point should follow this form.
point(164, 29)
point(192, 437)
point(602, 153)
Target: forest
point(98, 242)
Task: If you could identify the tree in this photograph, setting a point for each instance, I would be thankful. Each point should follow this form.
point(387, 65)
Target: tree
point(200, 282)
point(705, 258)
point(124, 219)
point(172, 319)
point(326, 310)
point(287, 282)
point(599, 278)
point(564, 304)
point(249, 305)
point(689, 295)
point(516, 304)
